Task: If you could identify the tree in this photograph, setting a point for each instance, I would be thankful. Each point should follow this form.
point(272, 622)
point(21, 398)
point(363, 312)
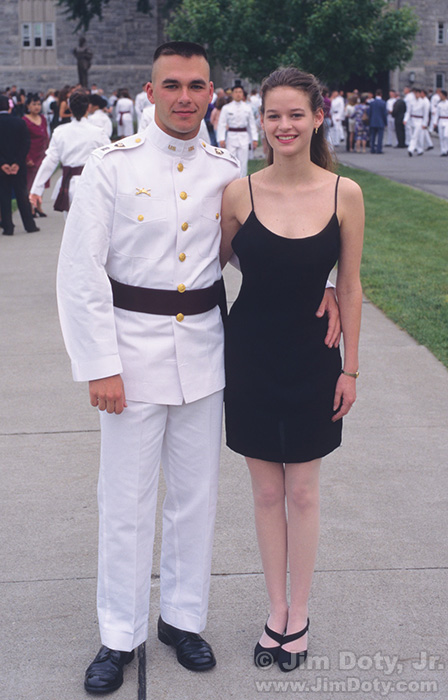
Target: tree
point(86, 10)
point(330, 38)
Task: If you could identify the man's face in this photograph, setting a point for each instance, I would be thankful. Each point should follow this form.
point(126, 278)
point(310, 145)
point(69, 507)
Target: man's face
point(181, 91)
point(238, 94)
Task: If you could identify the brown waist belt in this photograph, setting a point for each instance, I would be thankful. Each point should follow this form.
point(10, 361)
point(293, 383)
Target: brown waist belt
point(167, 302)
point(62, 202)
point(234, 128)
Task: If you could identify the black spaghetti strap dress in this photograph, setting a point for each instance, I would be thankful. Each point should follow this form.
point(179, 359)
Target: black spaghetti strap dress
point(280, 375)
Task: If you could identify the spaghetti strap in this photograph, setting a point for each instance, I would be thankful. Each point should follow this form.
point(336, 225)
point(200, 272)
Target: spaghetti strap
point(251, 195)
point(335, 195)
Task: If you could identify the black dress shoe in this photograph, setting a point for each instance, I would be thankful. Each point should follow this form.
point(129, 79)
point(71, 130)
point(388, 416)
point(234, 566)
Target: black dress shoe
point(105, 673)
point(193, 652)
point(289, 660)
point(32, 230)
point(264, 657)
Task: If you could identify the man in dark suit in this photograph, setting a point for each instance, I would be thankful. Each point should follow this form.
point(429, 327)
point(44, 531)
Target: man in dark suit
point(377, 121)
point(14, 146)
point(398, 112)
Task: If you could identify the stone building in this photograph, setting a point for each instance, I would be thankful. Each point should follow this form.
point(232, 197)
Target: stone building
point(428, 67)
point(37, 43)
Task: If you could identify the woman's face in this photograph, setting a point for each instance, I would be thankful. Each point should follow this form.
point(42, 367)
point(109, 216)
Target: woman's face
point(288, 120)
point(35, 107)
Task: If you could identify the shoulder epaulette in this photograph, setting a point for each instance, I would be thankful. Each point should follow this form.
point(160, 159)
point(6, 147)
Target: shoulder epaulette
point(219, 152)
point(127, 143)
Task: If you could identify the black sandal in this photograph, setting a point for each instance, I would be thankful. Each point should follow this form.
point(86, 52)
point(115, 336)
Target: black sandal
point(264, 657)
point(289, 660)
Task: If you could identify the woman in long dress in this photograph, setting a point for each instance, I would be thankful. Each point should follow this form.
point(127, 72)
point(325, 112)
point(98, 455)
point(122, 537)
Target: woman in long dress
point(38, 130)
point(286, 386)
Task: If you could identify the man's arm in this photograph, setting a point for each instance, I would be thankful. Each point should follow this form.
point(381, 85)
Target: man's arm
point(329, 306)
point(85, 303)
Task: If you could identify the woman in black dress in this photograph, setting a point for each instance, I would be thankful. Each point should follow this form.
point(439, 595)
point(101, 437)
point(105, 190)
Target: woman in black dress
point(286, 386)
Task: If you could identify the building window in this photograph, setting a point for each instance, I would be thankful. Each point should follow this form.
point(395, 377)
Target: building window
point(440, 80)
point(441, 33)
point(33, 35)
point(49, 35)
point(37, 35)
point(26, 36)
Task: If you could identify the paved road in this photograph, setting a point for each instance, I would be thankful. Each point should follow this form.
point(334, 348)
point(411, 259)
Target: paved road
point(428, 172)
point(381, 578)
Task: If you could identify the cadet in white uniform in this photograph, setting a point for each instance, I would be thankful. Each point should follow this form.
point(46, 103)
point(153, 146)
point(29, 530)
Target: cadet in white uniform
point(141, 102)
point(417, 113)
point(337, 113)
point(70, 146)
point(441, 121)
point(391, 139)
point(237, 128)
point(124, 111)
point(97, 116)
point(139, 281)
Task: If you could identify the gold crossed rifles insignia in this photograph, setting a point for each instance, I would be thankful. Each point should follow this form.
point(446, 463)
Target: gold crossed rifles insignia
point(142, 190)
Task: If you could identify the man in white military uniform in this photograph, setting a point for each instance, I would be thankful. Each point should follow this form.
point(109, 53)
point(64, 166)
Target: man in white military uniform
point(237, 128)
point(147, 215)
point(139, 282)
point(70, 146)
point(441, 121)
point(141, 102)
point(417, 113)
point(337, 113)
point(391, 139)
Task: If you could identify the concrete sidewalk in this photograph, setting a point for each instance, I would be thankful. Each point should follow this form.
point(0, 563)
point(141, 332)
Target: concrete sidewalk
point(378, 607)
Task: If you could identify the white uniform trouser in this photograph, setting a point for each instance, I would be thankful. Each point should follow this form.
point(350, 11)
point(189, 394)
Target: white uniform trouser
point(391, 135)
point(238, 144)
point(416, 142)
point(186, 439)
point(443, 134)
point(427, 141)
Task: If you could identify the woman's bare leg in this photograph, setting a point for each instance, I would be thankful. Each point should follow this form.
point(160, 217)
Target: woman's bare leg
point(268, 486)
point(302, 497)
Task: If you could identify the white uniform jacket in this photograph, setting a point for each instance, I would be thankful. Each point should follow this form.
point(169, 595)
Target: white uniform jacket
point(237, 115)
point(71, 144)
point(146, 213)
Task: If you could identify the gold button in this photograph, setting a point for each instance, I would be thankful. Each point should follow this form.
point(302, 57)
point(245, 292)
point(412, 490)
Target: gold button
point(179, 317)
point(216, 216)
point(183, 195)
point(137, 140)
point(184, 226)
point(181, 288)
point(182, 257)
point(180, 167)
point(140, 217)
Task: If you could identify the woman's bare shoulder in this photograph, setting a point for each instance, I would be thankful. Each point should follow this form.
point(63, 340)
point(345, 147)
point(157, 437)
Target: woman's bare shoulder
point(349, 188)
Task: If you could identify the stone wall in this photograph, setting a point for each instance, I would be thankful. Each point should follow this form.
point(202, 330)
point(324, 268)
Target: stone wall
point(429, 58)
point(123, 43)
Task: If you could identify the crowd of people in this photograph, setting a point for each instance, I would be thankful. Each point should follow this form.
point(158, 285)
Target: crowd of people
point(359, 121)
point(365, 121)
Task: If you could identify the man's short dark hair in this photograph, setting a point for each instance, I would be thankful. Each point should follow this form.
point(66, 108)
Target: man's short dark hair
point(186, 49)
point(97, 101)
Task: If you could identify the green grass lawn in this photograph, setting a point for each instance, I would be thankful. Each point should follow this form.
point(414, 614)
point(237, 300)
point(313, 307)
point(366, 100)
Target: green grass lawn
point(404, 268)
